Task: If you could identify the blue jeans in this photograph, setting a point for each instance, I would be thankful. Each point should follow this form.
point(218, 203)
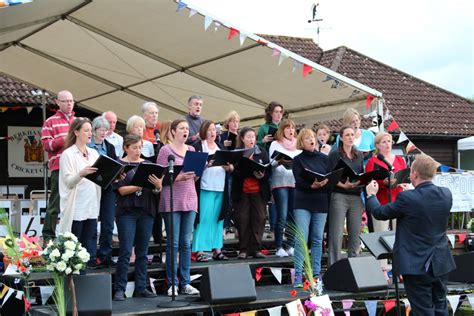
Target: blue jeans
point(309, 221)
point(134, 229)
point(284, 213)
point(86, 233)
point(183, 223)
point(107, 217)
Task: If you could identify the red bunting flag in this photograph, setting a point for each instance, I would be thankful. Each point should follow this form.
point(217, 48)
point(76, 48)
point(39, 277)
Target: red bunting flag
point(262, 42)
point(258, 273)
point(461, 238)
point(265, 252)
point(393, 126)
point(232, 33)
point(389, 304)
point(307, 70)
point(368, 101)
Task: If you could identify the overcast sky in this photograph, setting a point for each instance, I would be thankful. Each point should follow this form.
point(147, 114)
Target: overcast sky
point(429, 39)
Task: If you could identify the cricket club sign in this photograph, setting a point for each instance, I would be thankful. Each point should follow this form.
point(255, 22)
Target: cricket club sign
point(25, 152)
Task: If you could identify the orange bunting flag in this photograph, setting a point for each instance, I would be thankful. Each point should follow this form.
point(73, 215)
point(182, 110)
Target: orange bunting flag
point(393, 126)
point(307, 70)
point(461, 238)
point(410, 147)
point(258, 273)
point(368, 101)
point(232, 32)
point(389, 304)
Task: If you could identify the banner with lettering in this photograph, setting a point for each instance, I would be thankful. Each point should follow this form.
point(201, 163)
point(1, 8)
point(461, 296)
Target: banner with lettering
point(461, 186)
point(25, 152)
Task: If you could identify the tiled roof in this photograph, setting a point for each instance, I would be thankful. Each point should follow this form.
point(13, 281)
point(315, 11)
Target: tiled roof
point(419, 108)
point(14, 93)
point(304, 47)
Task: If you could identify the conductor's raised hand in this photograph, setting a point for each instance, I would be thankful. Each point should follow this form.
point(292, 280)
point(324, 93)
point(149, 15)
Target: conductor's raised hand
point(372, 188)
point(87, 171)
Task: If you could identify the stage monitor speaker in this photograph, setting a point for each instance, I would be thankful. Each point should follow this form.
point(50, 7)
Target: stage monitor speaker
point(358, 274)
point(230, 283)
point(93, 294)
point(464, 268)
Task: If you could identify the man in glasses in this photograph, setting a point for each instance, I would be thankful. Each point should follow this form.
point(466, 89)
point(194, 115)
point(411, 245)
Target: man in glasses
point(53, 133)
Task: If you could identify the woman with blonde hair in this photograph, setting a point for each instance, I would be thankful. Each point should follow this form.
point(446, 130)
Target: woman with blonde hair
point(231, 124)
point(322, 136)
point(363, 139)
point(165, 133)
point(136, 126)
point(282, 183)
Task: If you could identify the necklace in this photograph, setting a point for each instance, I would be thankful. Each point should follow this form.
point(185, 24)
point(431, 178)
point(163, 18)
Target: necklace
point(83, 152)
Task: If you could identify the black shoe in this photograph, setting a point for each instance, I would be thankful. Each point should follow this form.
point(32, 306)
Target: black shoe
point(259, 255)
point(146, 294)
point(119, 296)
point(94, 266)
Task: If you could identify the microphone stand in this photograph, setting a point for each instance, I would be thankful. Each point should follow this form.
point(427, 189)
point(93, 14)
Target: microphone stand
point(394, 276)
point(173, 302)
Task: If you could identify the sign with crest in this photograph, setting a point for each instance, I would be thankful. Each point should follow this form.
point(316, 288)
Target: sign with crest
point(25, 152)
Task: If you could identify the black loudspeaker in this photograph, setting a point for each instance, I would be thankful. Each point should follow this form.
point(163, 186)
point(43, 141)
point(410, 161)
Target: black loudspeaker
point(93, 294)
point(229, 283)
point(464, 271)
point(358, 274)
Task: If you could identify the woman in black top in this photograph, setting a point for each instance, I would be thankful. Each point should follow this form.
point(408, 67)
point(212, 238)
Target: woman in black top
point(346, 201)
point(311, 203)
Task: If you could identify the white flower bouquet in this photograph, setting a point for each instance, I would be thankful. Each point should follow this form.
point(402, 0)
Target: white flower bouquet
point(64, 257)
point(470, 225)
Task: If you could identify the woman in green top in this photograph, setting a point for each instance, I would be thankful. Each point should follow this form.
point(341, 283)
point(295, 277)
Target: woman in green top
point(273, 115)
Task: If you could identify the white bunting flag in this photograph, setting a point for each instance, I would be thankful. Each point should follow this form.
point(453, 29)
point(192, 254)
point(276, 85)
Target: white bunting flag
point(274, 311)
point(129, 289)
point(276, 273)
point(453, 301)
point(19, 295)
point(371, 307)
point(402, 138)
point(8, 295)
point(195, 277)
point(46, 292)
point(295, 308)
point(216, 26)
point(470, 298)
point(296, 65)
point(242, 37)
point(283, 57)
point(152, 285)
point(452, 240)
point(192, 13)
point(207, 22)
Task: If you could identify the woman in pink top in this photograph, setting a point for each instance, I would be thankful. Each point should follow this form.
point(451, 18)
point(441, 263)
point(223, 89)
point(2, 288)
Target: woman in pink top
point(184, 209)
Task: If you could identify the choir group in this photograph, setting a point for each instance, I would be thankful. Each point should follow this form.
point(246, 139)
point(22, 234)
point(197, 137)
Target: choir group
point(202, 207)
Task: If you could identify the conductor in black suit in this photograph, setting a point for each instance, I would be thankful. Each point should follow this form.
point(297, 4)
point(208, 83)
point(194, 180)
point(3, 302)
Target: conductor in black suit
point(421, 252)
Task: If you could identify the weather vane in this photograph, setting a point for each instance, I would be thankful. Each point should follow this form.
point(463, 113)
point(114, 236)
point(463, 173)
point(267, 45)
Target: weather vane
point(316, 18)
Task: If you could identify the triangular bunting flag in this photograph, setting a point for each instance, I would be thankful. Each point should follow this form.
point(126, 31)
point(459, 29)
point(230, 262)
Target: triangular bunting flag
point(276, 273)
point(181, 5)
point(242, 38)
point(8, 295)
point(307, 70)
point(46, 292)
point(460, 170)
point(232, 33)
point(368, 101)
point(454, 302)
point(129, 289)
point(406, 302)
point(3, 109)
point(324, 303)
point(461, 238)
point(452, 240)
point(346, 305)
point(258, 273)
point(470, 298)
point(296, 65)
point(283, 56)
point(152, 285)
point(393, 126)
point(216, 26)
point(275, 52)
point(295, 308)
point(274, 311)
point(410, 147)
point(444, 168)
point(249, 313)
point(192, 13)
point(371, 307)
point(402, 137)
point(207, 22)
point(389, 304)
point(29, 109)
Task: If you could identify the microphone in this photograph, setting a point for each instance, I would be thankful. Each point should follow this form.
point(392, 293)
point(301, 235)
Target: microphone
point(157, 136)
point(382, 159)
point(170, 164)
point(321, 145)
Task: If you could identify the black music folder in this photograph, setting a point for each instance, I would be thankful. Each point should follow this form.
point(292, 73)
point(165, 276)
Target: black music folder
point(402, 176)
point(272, 131)
point(145, 169)
point(108, 170)
point(233, 138)
point(248, 166)
point(333, 177)
point(195, 162)
point(277, 155)
point(364, 177)
point(223, 157)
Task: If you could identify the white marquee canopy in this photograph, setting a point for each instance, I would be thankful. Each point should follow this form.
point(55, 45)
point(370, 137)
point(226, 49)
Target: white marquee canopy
point(116, 54)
